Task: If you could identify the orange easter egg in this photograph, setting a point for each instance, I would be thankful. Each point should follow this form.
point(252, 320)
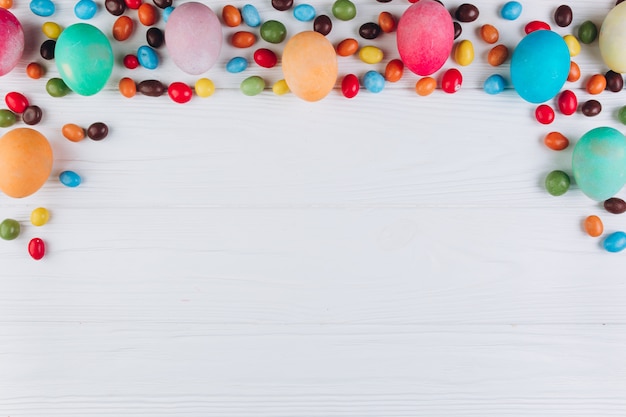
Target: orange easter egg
point(25, 162)
point(309, 65)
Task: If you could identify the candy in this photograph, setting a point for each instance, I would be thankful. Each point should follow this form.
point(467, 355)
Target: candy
point(387, 22)
point(16, 102)
point(498, 55)
point(599, 163)
point(369, 30)
point(371, 54)
point(9, 229)
point(494, 84)
point(147, 57)
point(12, 45)
point(166, 13)
point(155, 37)
point(574, 72)
point(615, 242)
point(587, 32)
point(304, 12)
point(162, 4)
point(97, 131)
point(347, 47)
point(147, 14)
point(309, 65)
point(556, 141)
point(457, 29)
point(593, 226)
point(322, 24)
point(466, 12)
point(282, 5)
point(127, 87)
point(56, 87)
point(70, 179)
point(273, 31)
point(280, 87)
point(621, 114)
point(591, 108)
point(612, 38)
point(511, 10)
point(394, 70)
point(42, 8)
point(425, 86)
point(39, 216)
point(243, 39)
point(250, 15)
point(344, 10)
point(572, 44)
point(7, 118)
point(193, 37)
point(133, 4)
point(615, 205)
point(25, 162)
point(567, 102)
point(36, 248)
point(265, 58)
point(179, 92)
point(85, 9)
point(236, 64)
point(424, 37)
point(489, 33)
point(464, 53)
point(563, 15)
point(151, 88)
point(231, 16)
point(557, 183)
point(123, 28)
point(131, 61)
point(204, 87)
point(46, 50)
point(73, 132)
point(451, 80)
point(32, 115)
point(614, 81)
point(350, 86)
point(535, 25)
point(596, 84)
point(544, 114)
point(35, 71)
point(51, 29)
point(252, 86)
point(115, 7)
point(373, 81)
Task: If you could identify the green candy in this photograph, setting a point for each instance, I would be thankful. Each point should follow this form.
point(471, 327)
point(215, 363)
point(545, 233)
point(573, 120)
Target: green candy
point(9, 229)
point(56, 87)
point(621, 115)
point(587, 32)
point(7, 118)
point(273, 31)
point(557, 183)
point(252, 86)
point(344, 10)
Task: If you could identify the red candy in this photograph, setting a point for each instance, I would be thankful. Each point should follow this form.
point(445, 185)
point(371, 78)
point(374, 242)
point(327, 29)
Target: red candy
point(350, 86)
point(568, 103)
point(36, 248)
point(179, 92)
point(265, 58)
point(131, 61)
point(451, 80)
point(536, 25)
point(133, 4)
point(16, 102)
point(544, 114)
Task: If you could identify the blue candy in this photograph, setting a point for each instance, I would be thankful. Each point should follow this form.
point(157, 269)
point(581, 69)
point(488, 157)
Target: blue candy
point(615, 242)
point(304, 12)
point(374, 81)
point(85, 9)
point(69, 179)
point(42, 8)
point(237, 64)
point(165, 14)
point(511, 10)
point(250, 15)
point(147, 57)
point(494, 84)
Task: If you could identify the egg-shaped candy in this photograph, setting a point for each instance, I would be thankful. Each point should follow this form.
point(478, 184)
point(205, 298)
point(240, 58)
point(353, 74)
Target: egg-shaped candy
point(599, 163)
point(424, 37)
point(540, 65)
point(309, 65)
point(12, 45)
point(193, 37)
point(25, 162)
point(612, 39)
point(84, 58)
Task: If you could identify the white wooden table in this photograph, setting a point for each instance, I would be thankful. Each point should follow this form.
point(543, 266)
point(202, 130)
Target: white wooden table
point(389, 255)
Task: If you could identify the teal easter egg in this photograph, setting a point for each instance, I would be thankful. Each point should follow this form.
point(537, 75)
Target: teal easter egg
point(539, 66)
point(84, 58)
point(612, 38)
point(599, 163)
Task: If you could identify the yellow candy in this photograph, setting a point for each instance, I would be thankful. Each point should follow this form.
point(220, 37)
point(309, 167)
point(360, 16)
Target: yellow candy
point(204, 87)
point(371, 54)
point(51, 30)
point(572, 44)
point(280, 87)
point(464, 53)
point(39, 216)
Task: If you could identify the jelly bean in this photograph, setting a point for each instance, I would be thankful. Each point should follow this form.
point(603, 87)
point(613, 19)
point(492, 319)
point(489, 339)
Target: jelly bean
point(511, 10)
point(498, 55)
point(322, 24)
point(147, 14)
point(387, 22)
point(574, 72)
point(252, 86)
point(494, 84)
point(35, 71)
point(464, 53)
point(596, 84)
point(46, 50)
point(280, 87)
point(621, 115)
point(151, 88)
point(133, 4)
point(6, 4)
point(42, 8)
point(347, 47)
point(130, 61)
point(243, 39)
point(36, 248)
point(282, 5)
point(536, 25)
point(250, 15)
point(73, 132)
point(147, 57)
point(614, 81)
point(572, 44)
point(236, 64)
point(394, 70)
point(563, 15)
point(451, 80)
point(9, 229)
point(70, 179)
point(97, 131)
point(544, 114)
point(85, 9)
point(155, 37)
point(557, 183)
point(591, 108)
point(39, 216)
point(127, 87)
point(425, 86)
point(16, 102)
point(567, 102)
point(231, 16)
point(457, 29)
point(265, 58)
point(593, 226)
point(304, 12)
point(179, 92)
point(273, 31)
point(371, 54)
point(123, 28)
point(56, 87)
point(350, 86)
point(615, 205)
point(32, 115)
point(7, 118)
point(166, 13)
point(344, 10)
point(556, 141)
point(51, 29)
point(587, 32)
point(163, 4)
point(115, 7)
point(466, 12)
point(615, 242)
point(373, 81)
point(204, 87)
point(489, 33)
point(369, 30)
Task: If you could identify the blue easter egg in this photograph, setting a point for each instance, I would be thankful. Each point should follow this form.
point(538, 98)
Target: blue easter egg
point(540, 65)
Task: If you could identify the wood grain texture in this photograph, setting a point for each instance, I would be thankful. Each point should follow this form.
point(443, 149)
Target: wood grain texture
point(390, 255)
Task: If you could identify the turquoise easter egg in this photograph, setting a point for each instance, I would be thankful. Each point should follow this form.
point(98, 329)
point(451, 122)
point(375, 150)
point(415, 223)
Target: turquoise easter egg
point(599, 163)
point(612, 38)
point(539, 66)
point(84, 58)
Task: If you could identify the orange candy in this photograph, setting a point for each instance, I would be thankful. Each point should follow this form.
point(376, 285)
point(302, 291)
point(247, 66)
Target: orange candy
point(35, 71)
point(574, 72)
point(243, 39)
point(425, 86)
point(347, 47)
point(127, 87)
point(147, 14)
point(6, 4)
point(73, 132)
point(497, 55)
point(489, 33)
point(556, 141)
point(394, 70)
point(231, 16)
point(123, 28)
point(596, 84)
point(593, 226)
point(387, 22)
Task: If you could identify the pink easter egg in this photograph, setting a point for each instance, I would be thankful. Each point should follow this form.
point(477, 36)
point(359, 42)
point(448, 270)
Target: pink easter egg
point(12, 45)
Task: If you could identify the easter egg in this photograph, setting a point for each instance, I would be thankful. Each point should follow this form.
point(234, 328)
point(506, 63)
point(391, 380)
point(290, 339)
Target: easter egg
point(540, 65)
point(25, 162)
point(12, 45)
point(84, 58)
point(193, 37)
point(599, 163)
point(309, 65)
point(612, 38)
point(425, 34)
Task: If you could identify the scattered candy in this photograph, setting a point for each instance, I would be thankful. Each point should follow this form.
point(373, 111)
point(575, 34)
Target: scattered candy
point(147, 57)
point(231, 16)
point(127, 87)
point(394, 70)
point(557, 183)
point(544, 114)
point(51, 29)
point(16, 102)
point(511, 10)
point(250, 15)
point(498, 55)
point(344, 10)
point(70, 179)
point(32, 115)
point(587, 32)
point(9, 229)
point(39, 216)
point(596, 84)
point(252, 86)
point(489, 33)
point(265, 58)
point(35, 71)
point(614, 81)
point(322, 24)
point(85, 9)
point(347, 47)
point(369, 30)
point(615, 242)
point(593, 226)
point(567, 102)
point(36, 248)
point(425, 86)
point(73, 132)
point(280, 87)
point(373, 81)
point(304, 12)
point(466, 12)
point(151, 88)
point(615, 205)
point(98, 131)
point(451, 80)
point(123, 28)
point(7, 118)
point(563, 16)
point(371, 54)
point(494, 84)
point(43, 8)
point(464, 53)
point(591, 108)
point(350, 86)
point(273, 31)
point(180, 92)
point(556, 141)
point(236, 64)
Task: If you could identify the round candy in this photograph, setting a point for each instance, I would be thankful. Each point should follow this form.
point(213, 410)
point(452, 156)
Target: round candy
point(42, 8)
point(180, 92)
point(344, 10)
point(252, 86)
point(25, 162)
point(236, 64)
point(615, 242)
point(193, 37)
point(273, 31)
point(540, 65)
point(147, 57)
point(70, 179)
point(204, 87)
point(612, 38)
point(350, 86)
point(424, 37)
point(511, 10)
point(36, 248)
point(304, 12)
point(557, 183)
point(85, 9)
point(599, 163)
point(12, 45)
point(39, 216)
point(494, 84)
point(374, 81)
point(9, 229)
point(84, 58)
point(7, 118)
point(250, 15)
point(309, 65)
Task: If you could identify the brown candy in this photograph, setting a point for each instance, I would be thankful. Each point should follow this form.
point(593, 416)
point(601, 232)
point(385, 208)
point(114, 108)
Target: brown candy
point(154, 37)
point(369, 30)
point(162, 4)
point(97, 131)
point(47, 49)
point(151, 88)
point(563, 15)
point(466, 12)
point(614, 81)
point(457, 29)
point(32, 115)
point(591, 108)
point(322, 24)
point(282, 5)
point(498, 55)
point(615, 205)
point(115, 7)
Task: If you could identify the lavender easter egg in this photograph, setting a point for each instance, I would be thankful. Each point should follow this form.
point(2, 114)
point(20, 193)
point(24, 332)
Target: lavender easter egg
point(12, 45)
point(193, 37)
point(424, 37)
